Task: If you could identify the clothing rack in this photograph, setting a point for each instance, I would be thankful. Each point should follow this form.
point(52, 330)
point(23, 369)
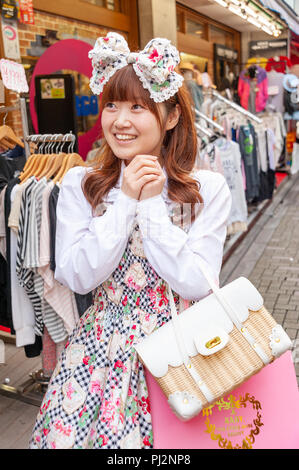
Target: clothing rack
point(203, 130)
point(236, 107)
point(32, 390)
point(206, 118)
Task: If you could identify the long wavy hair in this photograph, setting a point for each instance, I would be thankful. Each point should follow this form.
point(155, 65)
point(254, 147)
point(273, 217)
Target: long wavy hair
point(179, 146)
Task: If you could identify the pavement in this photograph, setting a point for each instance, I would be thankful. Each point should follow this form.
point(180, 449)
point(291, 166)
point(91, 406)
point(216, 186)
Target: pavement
point(268, 256)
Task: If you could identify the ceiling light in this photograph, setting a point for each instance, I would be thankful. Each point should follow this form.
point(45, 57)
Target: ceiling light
point(267, 30)
point(236, 2)
point(263, 20)
point(237, 11)
point(253, 21)
point(221, 2)
point(250, 11)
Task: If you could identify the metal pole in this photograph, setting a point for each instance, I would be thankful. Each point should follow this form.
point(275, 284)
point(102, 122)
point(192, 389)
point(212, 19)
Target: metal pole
point(206, 118)
point(25, 126)
point(237, 107)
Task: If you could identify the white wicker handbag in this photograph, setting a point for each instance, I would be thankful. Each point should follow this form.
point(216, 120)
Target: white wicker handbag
point(213, 346)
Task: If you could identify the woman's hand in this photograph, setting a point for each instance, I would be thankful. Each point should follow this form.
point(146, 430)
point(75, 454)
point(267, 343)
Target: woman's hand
point(154, 187)
point(142, 170)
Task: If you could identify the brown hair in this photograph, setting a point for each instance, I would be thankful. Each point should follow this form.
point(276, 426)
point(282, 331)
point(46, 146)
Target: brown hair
point(178, 149)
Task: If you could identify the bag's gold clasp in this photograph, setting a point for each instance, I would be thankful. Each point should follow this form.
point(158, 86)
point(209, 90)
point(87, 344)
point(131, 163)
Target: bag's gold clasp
point(213, 342)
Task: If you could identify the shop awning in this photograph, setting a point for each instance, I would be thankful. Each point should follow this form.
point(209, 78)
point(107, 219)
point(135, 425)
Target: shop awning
point(285, 13)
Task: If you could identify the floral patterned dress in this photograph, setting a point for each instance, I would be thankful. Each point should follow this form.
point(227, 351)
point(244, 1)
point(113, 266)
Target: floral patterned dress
point(97, 396)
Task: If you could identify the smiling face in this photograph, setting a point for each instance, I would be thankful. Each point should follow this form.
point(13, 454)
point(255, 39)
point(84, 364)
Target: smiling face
point(131, 129)
point(133, 124)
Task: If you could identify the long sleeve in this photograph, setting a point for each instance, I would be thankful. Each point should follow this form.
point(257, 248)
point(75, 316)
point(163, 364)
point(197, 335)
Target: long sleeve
point(173, 253)
point(89, 248)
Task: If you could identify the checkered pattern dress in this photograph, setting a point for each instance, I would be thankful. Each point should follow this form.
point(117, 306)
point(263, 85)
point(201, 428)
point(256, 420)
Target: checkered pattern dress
point(97, 396)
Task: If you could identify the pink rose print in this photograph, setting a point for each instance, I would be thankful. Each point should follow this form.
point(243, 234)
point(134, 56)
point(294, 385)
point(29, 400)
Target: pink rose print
point(103, 440)
point(158, 298)
point(70, 391)
point(119, 366)
point(86, 360)
point(145, 405)
point(82, 411)
point(154, 56)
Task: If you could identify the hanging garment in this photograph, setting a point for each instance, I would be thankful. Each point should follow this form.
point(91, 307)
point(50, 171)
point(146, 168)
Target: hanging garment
point(2, 224)
point(97, 396)
point(248, 150)
point(267, 175)
point(260, 87)
point(231, 162)
point(59, 297)
point(27, 276)
point(196, 93)
point(275, 90)
point(53, 198)
point(10, 167)
point(279, 65)
point(22, 308)
point(83, 301)
point(210, 159)
point(6, 313)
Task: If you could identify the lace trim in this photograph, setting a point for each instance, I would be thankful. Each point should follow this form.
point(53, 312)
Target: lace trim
point(175, 82)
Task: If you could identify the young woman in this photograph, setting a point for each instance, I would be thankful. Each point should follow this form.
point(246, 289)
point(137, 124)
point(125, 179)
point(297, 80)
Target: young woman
point(139, 218)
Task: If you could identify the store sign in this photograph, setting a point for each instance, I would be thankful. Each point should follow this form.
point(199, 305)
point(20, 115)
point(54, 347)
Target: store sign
point(8, 9)
point(278, 46)
point(11, 39)
point(86, 105)
point(26, 11)
point(13, 76)
point(223, 52)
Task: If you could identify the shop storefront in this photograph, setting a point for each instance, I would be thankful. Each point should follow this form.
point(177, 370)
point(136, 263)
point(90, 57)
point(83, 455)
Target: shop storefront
point(55, 39)
point(200, 38)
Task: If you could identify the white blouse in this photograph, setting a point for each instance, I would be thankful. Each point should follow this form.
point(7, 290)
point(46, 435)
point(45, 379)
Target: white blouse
point(89, 248)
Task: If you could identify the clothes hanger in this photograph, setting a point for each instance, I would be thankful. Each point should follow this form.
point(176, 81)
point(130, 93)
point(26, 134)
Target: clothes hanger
point(42, 162)
point(55, 163)
point(35, 162)
point(8, 135)
point(45, 160)
point(30, 161)
point(71, 160)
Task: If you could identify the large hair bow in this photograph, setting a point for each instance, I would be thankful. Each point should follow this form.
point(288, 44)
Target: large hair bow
point(154, 65)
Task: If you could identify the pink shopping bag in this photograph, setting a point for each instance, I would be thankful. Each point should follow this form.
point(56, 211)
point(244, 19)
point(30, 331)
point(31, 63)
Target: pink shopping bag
point(263, 413)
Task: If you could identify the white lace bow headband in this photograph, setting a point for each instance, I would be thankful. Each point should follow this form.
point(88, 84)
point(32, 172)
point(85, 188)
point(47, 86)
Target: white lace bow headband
point(154, 65)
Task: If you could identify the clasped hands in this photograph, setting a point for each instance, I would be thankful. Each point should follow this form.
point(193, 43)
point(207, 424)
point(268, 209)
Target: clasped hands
point(143, 178)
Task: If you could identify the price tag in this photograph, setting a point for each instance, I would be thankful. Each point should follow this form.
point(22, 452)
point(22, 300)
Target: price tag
point(13, 76)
